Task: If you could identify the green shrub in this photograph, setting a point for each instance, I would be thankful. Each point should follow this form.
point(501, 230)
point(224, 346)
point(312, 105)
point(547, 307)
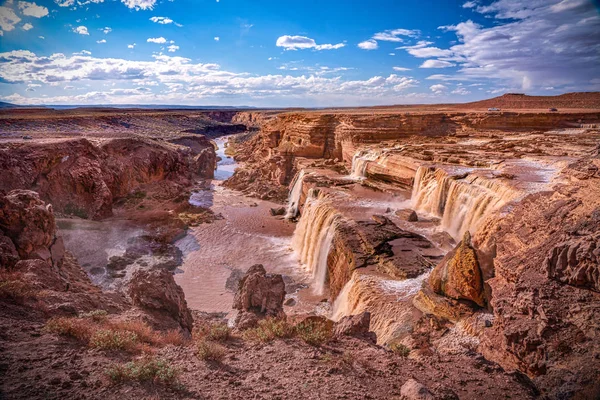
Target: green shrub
point(109, 339)
point(210, 351)
point(144, 370)
point(400, 349)
point(314, 332)
point(268, 330)
point(217, 332)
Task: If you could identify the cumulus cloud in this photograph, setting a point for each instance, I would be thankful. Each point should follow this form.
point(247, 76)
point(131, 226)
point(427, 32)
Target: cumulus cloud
point(182, 81)
point(139, 4)
point(8, 19)
point(27, 26)
point(159, 40)
point(131, 46)
point(428, 52)
point(164, 21)
point(368, 45)
point(436, 64)
point(438, 88)
point(32, 9)
point(302, 42)
point(531, 45)
point(101, 41)
point(83, 53)
point(65, 3)
point(217, 38)
point(393, 35)
point(82, 30)
point(461, 91)
point(172, 48)
point(106, 30)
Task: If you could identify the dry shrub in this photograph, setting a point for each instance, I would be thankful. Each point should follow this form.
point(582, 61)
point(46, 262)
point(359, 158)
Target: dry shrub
point(144, 332)
point(13, 286)
point(144, 370)
point(174, 338)
point(109, 339)
point(217, 332)
point(400, 349)
point(78, 328)
point(269, 329)
point(210, 351)
point(314, 332)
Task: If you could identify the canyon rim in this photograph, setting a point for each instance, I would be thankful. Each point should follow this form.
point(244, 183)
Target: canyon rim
point(362, 228)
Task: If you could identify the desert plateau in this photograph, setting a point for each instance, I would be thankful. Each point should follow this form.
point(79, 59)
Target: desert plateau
point(392, 200)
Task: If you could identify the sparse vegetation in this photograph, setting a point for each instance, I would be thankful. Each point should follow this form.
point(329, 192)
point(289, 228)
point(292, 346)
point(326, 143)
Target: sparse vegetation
point(314, 332)
point(216, 332)
point(210, 351)
point(95, 329)
point(268, 330)
point(14, 287)
point(144, 370)
point(400, 349)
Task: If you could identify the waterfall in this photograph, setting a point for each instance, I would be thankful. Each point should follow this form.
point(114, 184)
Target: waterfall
point(360, 160)
point(460, 203)
point(341, 305)
point(294, 196)
point(314, 235)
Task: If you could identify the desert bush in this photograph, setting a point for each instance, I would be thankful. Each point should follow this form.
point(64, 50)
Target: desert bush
point(78, 328)
point(146, 369)
point(269, 329)
point(109, 339)
point(142, 330)
point(173, 337)
point(314, 332)
point(96, 315)
point(14, 287)
point(210, 351)
point(218, 332)
point(400, 349)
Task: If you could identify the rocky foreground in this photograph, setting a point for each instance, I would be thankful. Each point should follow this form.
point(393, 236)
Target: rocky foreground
point(502, 294)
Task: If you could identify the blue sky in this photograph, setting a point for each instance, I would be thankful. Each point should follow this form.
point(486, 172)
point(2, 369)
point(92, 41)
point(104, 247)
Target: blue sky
point(309, 53)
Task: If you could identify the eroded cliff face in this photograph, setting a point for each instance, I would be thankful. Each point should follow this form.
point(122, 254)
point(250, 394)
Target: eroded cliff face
point(84, 177)
point(270, 157)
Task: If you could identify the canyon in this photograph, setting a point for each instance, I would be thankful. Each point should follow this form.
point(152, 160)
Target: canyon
point(444, 247)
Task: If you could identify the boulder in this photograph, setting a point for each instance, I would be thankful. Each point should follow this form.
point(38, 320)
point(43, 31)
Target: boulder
point(8, 252)
point(277, 211)
point(28, 222)
point(407, 215)
point(259, 295)
point(41, 274)
point(413, 390)
point(156, 292)
point(458, 275)
point(354, 325)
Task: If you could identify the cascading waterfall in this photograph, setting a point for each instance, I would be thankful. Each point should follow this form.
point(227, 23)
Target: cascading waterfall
point(461, 204)
point(294, 196)
point(360, 160)
point(314, 235)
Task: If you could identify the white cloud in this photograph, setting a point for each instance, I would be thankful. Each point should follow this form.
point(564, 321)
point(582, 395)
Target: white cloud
point(101, 41)
point(140, 4)
point(436, 64)
point(83, 53)
point(368, 45)
point(427, 52)
point(164, 21)
point(82, 30)
point(217, 38)
point(302, 42)
point(438, 88)
point(184, 82)
point(27, 26)
point(401, 69)
point(106, 30)
point(131, 46)
point(172, 48)
point(65, 3)
point(8, 19)
point(159, 40)
point(393, 35)
point(470, 4)
point(461, 91)
point(41, 37)
point(32, 9)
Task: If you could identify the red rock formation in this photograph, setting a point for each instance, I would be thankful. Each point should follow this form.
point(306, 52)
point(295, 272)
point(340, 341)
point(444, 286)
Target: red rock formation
point(259, 295)
point(458, 276)
point(156, 292)
point(84, 178)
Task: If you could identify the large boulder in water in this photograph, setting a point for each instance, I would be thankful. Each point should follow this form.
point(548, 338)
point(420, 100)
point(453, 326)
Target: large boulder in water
point(156, 292)
point(259, 295)
point(458, 275)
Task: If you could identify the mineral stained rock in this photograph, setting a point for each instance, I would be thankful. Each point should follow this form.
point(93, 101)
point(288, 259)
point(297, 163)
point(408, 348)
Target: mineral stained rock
point(259, 295)
point(458, 276)
point(355, 325)
point(156, 292)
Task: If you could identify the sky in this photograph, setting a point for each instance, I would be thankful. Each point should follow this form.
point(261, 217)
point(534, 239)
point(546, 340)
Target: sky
point(307, 53)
